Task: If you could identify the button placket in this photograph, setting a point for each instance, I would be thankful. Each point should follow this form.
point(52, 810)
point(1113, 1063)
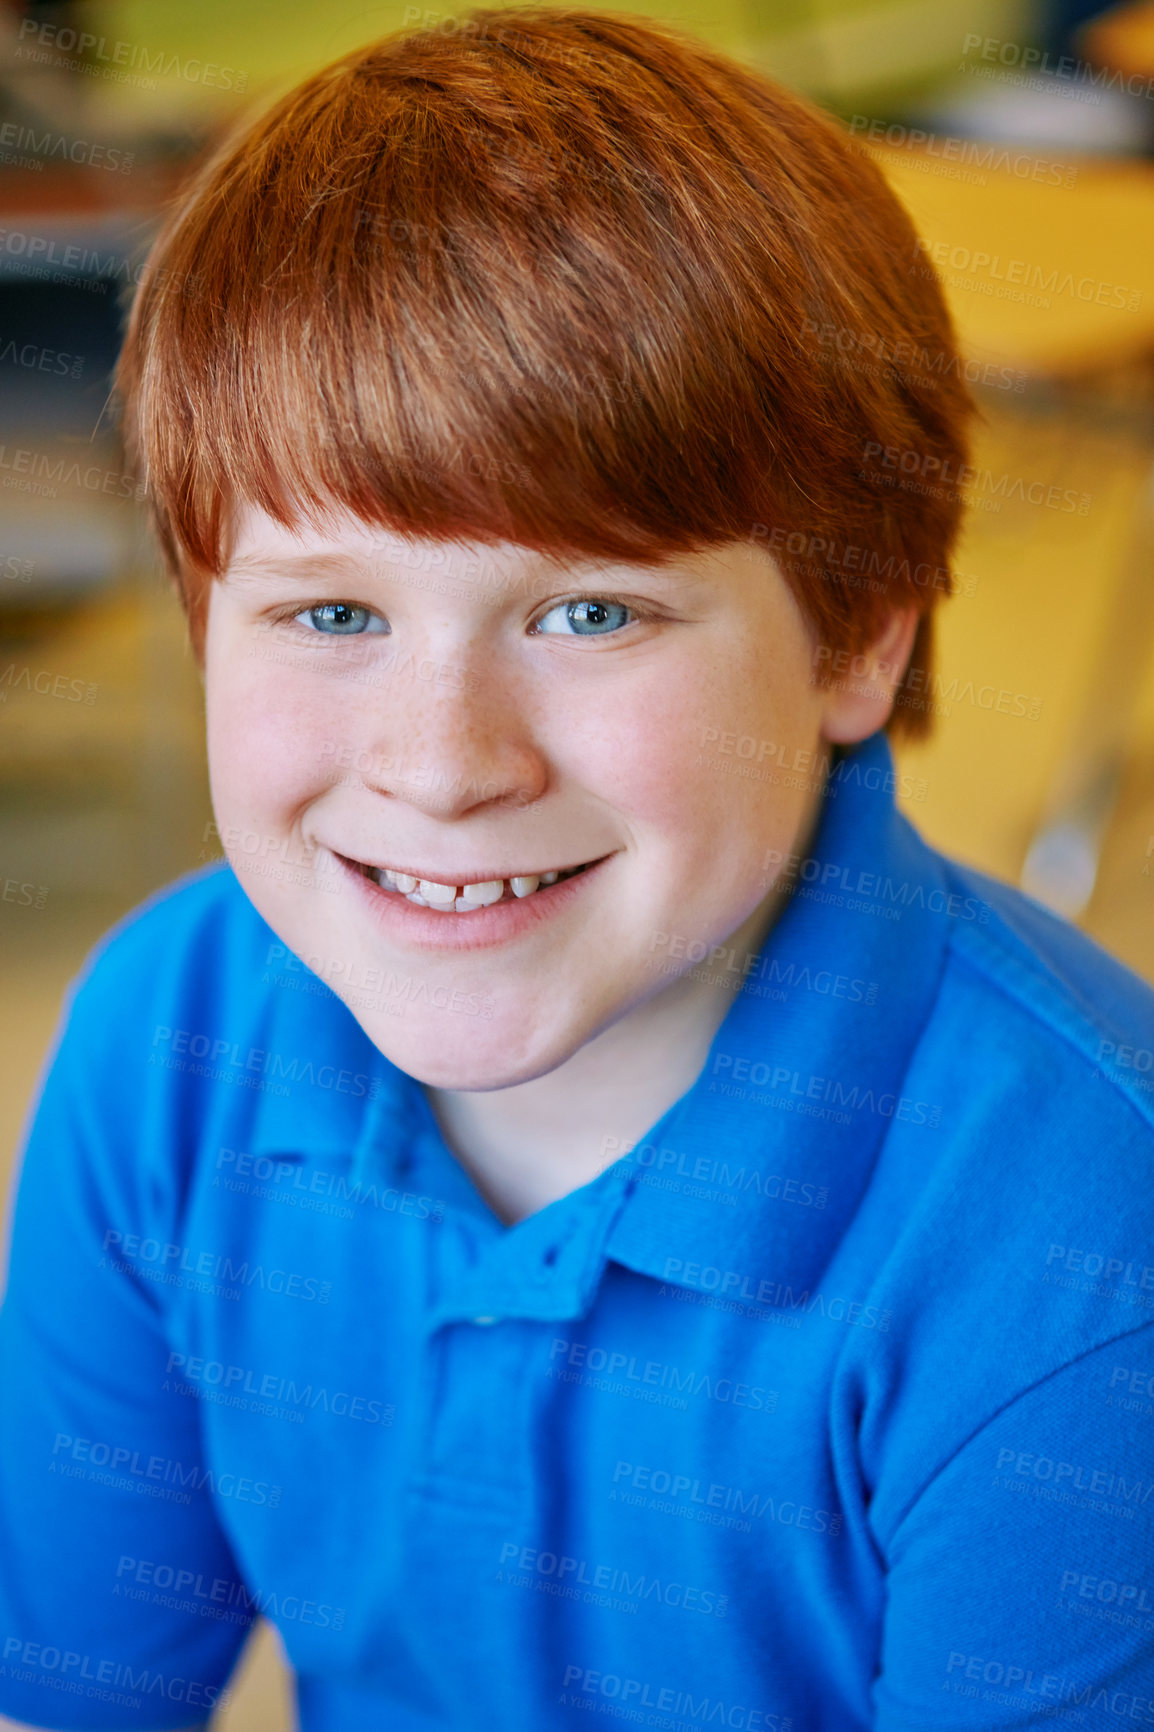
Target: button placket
point(496, 1291)
point(478, 1415)
point(499, 1290)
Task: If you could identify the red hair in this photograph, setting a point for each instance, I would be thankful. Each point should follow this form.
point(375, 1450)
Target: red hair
point(553, 278)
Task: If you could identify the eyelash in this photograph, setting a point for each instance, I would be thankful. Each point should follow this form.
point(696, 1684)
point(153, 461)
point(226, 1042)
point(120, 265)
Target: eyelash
point(288, 615)
point(639, 613)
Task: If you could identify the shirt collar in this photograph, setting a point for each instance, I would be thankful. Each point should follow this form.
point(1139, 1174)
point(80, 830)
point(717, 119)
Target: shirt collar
point(325, 1089)
point(381, 1136)
point(752, 1177)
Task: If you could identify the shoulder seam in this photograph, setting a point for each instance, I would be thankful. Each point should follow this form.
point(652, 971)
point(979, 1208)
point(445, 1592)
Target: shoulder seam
point(1019, 1395)
point(964, 949)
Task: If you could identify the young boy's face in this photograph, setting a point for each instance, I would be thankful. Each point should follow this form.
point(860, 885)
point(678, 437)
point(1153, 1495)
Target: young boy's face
point(470, 716)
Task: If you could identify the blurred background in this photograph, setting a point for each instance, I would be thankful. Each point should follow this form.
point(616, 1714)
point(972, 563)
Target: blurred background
point(1020, 136)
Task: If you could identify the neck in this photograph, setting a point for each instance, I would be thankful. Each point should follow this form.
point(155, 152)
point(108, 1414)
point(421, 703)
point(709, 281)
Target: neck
point(528, 1145)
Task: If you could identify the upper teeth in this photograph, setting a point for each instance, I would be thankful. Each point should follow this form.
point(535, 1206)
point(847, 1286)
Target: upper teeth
point(491, 890)
point(433, 892)
point(429, 893)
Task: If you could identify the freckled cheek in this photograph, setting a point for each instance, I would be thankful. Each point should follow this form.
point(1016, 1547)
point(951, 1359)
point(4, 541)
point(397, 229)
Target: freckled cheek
point(630, 756)
point(666, 772)
point(270, 744)
point(657, 759)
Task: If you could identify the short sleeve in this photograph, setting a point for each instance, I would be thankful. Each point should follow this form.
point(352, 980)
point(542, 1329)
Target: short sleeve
point(1021, 1582)
point(118, 1601)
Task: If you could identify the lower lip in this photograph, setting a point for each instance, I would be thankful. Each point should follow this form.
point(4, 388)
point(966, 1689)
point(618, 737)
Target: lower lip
point(500, 923)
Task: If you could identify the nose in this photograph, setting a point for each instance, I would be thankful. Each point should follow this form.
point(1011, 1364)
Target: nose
point(454, 739)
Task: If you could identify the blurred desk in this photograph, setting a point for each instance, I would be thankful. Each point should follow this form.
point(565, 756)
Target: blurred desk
point(1048, 270)
point(1056, 279)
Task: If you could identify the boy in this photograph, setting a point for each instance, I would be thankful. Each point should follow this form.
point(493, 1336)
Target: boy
point(558, 1226)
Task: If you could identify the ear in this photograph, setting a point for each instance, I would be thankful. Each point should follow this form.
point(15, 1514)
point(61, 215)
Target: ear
point(858, 700)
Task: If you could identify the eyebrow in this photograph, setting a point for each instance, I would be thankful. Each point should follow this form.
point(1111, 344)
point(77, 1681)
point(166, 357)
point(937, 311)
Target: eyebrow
point(302, 566)
point(352, 568)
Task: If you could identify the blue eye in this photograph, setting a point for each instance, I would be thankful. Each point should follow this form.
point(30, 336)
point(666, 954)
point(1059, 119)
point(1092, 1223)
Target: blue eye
point(342, 619)
point(589, 617)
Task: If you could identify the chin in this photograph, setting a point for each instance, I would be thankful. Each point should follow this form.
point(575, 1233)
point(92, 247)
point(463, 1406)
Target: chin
point(479, 1055)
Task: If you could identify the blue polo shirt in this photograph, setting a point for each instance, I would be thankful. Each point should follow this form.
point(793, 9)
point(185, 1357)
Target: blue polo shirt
point(828, 1405)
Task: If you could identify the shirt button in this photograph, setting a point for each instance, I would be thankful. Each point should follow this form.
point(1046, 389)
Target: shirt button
point(486, 1320)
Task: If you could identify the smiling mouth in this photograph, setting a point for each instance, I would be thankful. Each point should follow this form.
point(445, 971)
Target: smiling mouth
point(468, 897)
